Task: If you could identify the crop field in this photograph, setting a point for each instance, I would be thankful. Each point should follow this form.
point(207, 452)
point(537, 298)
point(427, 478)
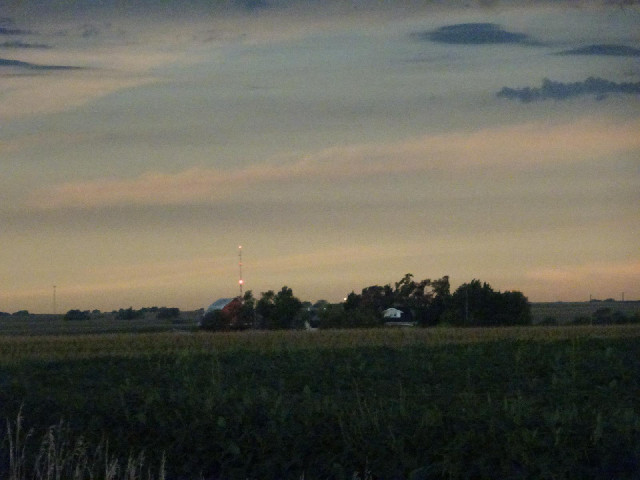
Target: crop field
point(47, 324)
point(567, 312)
point(441, 403)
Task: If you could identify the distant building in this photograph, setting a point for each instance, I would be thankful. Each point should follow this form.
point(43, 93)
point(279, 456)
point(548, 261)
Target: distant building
point(230, 307)
point(225, 304)
point(397, 317)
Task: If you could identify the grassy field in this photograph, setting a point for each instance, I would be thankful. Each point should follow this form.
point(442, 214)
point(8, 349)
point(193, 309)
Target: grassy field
point(566, 312)
point(536, 402)
point(48, 324)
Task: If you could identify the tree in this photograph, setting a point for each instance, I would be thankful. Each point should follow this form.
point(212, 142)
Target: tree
point(77, 315)
point(439, 304)
point(165, 313)
point(414, 296)
point(286, 309)
point(339, 316)
point(264, 307)
point(477, 304)
point(217, 320)
point(129, 314)
point(246, 317)
point(279, 311)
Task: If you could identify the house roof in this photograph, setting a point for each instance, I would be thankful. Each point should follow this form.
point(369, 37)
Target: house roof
point(219, 304)
point(392, 313)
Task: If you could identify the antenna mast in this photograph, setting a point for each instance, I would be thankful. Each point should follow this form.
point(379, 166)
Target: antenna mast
point(241, 281)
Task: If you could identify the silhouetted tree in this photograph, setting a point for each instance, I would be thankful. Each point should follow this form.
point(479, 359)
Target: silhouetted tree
point(264, 307)
point(286, 310)
point(477, 304)
point(77, 315)
point(129, 314)
point(164, 313)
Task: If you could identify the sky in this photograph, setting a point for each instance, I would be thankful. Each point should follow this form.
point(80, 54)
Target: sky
point(343, 144)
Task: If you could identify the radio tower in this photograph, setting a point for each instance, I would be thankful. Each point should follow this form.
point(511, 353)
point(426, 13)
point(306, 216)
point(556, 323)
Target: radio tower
point(241, 281)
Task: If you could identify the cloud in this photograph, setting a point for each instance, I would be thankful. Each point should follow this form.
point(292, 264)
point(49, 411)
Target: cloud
point(562, 91)
point(31, 94)
point(7, 27)
point(19, 44)
point(604, 49)
point(475, 34)
point(13, 31)
point(32, 66)
point(512, 147)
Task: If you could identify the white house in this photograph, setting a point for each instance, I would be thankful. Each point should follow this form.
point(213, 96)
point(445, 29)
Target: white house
point(392, 314)
point(397, 318)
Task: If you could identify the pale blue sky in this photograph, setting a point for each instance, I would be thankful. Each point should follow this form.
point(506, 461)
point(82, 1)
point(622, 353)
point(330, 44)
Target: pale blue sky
point(337, 142)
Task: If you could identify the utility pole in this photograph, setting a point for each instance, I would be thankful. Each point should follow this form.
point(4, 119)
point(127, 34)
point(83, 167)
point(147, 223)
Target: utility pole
point(55, 308)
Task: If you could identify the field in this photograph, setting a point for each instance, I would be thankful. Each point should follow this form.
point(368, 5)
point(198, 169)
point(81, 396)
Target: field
point(48, 324)
point(530, 402)
point(566, 312)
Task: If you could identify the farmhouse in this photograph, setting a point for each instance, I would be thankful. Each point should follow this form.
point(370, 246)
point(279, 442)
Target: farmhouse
point(398, 317)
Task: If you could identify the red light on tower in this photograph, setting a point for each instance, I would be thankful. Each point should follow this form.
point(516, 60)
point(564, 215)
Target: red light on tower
point(241, 281)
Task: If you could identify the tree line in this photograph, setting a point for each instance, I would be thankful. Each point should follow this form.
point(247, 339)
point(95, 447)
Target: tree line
point(424, 303)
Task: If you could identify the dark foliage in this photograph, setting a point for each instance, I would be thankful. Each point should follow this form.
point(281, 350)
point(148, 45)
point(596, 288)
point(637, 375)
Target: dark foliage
point(525, 410)
point(77, 315)
point(477, 304)
point(606, 316)
point(164, 312)
point(129, 314)
point(430, 302)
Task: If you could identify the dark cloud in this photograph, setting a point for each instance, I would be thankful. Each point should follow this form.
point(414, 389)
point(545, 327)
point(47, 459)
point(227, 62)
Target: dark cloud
point(254, 4)
point(7, 27)
point(12, 31)
point(561, 91)
point(475, 34)
point(612, 50)
point(33, 66)
point(19, 44)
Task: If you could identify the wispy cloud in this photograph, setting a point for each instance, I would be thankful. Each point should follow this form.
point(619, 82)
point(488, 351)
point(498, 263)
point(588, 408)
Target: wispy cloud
point(12, 31)
point(562, 91)
point(27, 95)
point(604, 49)
point(476, 34)
point(521, 146)
point(33, 66)
point(20, 44)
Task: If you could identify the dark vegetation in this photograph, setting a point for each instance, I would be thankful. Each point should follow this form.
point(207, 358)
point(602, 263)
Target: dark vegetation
point(424, 303)
point(502, 409)
point(595, 312)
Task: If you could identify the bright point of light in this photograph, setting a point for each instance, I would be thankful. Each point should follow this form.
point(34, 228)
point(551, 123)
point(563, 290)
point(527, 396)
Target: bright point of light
point(241, 282)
